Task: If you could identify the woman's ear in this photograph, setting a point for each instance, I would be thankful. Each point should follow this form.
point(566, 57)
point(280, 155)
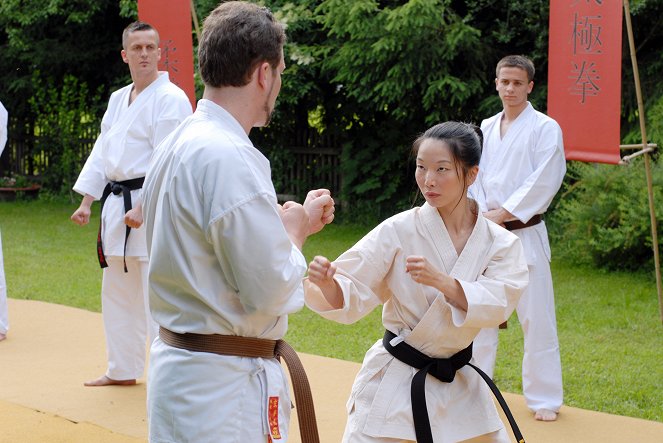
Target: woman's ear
point(472, 175)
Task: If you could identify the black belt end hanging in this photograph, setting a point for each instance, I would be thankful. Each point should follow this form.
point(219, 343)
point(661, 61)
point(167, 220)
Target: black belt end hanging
point(117, 188)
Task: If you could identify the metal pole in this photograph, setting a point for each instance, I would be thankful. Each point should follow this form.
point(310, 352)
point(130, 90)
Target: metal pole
point(650, 191)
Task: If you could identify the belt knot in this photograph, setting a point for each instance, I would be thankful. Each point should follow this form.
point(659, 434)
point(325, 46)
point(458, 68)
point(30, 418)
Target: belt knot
point(443, 370)
point(116, 188)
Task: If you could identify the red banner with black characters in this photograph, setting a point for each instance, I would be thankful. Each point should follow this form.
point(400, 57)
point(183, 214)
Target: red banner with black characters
point(172, 19)
point(584, 77)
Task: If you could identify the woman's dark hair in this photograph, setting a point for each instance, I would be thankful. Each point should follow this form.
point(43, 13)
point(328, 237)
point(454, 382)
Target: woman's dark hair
point(465, 141)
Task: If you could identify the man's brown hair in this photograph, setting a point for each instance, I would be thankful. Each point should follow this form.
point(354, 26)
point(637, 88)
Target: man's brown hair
point(516, 61)
point(137, 26)
point(237, 36)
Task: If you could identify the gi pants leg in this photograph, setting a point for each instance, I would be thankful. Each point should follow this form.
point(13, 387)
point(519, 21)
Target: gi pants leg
point(542, 368)
point(4, 314)
point(484, 350)
point(127, 320)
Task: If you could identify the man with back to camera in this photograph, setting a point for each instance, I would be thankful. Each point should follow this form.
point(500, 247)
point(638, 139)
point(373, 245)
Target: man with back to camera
point(226, 266)
point(521, 170)
point(138, 118)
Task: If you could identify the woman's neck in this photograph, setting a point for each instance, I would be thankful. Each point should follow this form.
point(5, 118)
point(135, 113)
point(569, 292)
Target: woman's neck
point(460, 221)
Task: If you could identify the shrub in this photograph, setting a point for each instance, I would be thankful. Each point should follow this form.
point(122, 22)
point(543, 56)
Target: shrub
point(602, 216)
point(65, 118)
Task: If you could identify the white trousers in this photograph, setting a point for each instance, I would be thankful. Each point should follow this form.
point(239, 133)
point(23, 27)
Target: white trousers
point(201, 397)
point(4, 313)
point(542, 368)
point(127, 320)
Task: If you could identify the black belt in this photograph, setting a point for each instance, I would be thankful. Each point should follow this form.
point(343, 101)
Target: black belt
point(517, 224)
point(444, 369)
point(125, 187)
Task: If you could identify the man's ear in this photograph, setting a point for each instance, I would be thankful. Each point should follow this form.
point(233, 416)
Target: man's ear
point(123, 53)
point(264, 70)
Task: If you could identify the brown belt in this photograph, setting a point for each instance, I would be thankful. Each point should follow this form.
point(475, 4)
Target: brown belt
point(517, 224)
point(257, 347)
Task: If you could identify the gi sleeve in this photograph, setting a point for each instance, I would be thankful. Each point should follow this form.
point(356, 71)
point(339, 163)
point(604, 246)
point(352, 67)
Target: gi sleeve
point(4, 118)
point(258, 258)
point(361, 275)
point(492, 298)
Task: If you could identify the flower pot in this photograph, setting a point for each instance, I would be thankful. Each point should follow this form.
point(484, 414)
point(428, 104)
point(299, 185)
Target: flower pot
point(27, 192)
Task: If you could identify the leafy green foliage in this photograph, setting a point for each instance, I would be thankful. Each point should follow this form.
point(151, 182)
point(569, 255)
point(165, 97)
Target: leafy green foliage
point(79, 38)
point(603, 218)
point(414, 59)
point(63, 118)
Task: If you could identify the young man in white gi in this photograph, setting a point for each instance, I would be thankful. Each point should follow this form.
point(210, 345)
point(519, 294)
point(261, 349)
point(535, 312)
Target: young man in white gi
point(138, 118)
point(521, 170)
point(4, 314)
point(225, 258)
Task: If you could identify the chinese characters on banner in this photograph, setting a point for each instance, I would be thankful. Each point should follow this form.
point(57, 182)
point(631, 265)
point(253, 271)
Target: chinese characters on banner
point(172, 19)
point(584, 77)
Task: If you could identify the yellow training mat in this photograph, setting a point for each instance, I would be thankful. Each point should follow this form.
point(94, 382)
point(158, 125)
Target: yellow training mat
point(52, 349)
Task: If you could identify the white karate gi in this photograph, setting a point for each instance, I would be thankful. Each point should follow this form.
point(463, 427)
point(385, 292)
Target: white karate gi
point(4, 313)
point(522, 172)
point(493, 273)
point(221, 262)
point(129, 134)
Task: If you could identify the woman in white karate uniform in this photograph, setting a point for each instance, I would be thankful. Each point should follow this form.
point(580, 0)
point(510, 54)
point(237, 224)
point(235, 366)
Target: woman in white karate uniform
point(442, 272)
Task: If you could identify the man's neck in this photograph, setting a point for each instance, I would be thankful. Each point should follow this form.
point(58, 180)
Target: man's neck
point(237, 101)
point(141, 83)
point(511, 113)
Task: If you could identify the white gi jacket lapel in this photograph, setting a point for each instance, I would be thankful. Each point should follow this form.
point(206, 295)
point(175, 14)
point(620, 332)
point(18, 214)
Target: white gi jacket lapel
point(504, 151)
point(428, 336)
point(124, 116)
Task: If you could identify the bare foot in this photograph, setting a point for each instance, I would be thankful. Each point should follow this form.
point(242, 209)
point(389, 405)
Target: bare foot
point(105, 381)
point(545, 415)
point(2, 336)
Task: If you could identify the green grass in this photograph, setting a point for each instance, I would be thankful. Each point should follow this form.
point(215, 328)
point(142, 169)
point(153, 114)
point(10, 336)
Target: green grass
point(610, 332)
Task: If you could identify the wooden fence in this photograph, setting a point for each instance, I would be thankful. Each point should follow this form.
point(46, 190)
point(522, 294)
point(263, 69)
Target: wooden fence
point(308, 168)
point(299, 170)
point(27, 154)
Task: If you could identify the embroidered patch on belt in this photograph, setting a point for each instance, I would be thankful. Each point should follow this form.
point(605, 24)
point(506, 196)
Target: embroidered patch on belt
point(273, 414)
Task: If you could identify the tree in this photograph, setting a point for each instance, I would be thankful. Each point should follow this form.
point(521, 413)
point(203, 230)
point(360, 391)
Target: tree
point(58, 39)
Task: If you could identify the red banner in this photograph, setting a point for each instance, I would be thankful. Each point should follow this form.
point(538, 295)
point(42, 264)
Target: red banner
point(584, 77)
point(172, 19)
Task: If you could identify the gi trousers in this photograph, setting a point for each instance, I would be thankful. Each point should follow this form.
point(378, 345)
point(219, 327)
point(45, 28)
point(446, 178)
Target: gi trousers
point(201, 397)
point(541, 369)
point(125, 310)
point(4, 314)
